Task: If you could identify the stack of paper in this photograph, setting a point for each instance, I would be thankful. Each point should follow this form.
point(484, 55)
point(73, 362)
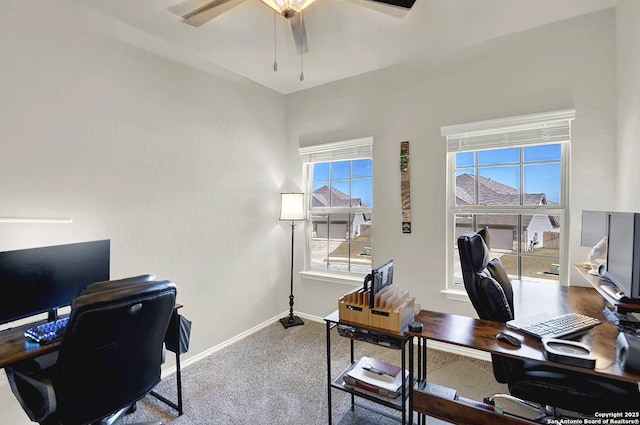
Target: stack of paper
point(376, 376)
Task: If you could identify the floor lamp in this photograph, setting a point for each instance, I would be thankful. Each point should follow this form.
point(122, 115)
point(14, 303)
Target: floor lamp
point(291, 209)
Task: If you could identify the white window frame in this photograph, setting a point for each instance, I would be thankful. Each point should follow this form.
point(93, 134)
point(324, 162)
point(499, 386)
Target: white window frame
point(517, 131)
point(361, 148)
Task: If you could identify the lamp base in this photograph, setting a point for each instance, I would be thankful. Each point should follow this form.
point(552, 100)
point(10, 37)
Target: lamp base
point(288, 322)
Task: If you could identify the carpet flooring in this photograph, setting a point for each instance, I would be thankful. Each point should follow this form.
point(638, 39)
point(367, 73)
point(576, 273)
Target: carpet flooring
point(278, 376)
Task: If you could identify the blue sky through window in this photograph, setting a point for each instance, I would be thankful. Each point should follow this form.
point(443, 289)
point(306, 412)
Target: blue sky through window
point(338, 174)
point(541, 168)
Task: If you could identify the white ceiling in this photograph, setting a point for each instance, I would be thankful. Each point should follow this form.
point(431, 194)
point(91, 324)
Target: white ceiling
point(345, 37)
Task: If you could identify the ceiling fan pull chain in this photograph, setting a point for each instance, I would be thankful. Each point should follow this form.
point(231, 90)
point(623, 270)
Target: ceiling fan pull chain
point(275, 45)
point(301, 50)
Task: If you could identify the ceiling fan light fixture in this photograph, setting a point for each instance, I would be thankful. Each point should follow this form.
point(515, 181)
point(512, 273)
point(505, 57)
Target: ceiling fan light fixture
point(288, 8)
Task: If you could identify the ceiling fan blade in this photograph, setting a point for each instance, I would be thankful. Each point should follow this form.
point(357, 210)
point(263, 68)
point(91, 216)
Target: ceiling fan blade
point(199, 12)
point(299, 33)
point(395, 8)
point(406, 4)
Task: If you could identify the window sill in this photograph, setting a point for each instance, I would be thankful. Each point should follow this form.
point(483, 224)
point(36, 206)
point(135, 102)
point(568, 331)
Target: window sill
point(339, 278)
point(456, 294)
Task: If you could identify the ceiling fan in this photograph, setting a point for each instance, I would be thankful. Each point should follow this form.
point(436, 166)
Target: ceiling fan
point(199, 12)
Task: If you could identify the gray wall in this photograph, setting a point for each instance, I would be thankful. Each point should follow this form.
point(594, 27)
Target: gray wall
point(628, 56)
point(171, 163)
point(571, 64)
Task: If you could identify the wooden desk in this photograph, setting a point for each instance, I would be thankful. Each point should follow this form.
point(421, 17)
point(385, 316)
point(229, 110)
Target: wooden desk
point(14, 347)
point(529, 298)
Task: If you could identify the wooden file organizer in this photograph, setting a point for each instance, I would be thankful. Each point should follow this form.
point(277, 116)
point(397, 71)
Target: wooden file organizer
point(393, 308)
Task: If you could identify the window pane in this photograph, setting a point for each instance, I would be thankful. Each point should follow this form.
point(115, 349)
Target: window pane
point(539, 180)
point(539, 235)
point(362, 190)
point(543, 153)
point(319, 254)
point(542, 236)
point(339, 236)
point(321, 195)
point(320, 171)
point(340, 170)
point(339, 227)
point(542, 231)
point(465, 188)
point(319, 226)
point(510, 263)
point(361, 228)
point(464, 159)
point(540, 268)
point(341, 241)
point(464, 223)
point(499, 156)
point(340, 194)
point(499, 186)
point(319, 242)
point(360, 258)
point(502, 229)
point(361, 168)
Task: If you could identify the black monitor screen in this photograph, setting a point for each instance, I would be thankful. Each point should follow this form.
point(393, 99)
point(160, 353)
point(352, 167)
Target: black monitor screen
point(39, 280)
point(623, 252)
point(381, 277)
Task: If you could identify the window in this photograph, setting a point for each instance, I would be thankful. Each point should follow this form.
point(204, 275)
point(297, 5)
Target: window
point(511, 176)
point(340, 180)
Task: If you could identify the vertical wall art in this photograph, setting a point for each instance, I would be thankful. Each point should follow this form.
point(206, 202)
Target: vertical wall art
point(405, 187)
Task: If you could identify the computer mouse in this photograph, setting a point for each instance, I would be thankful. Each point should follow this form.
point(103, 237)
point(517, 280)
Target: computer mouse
point(509, 339)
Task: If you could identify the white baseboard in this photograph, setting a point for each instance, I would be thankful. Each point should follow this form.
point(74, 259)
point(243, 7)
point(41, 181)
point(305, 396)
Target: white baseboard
point(436, 345)
point(193, 359)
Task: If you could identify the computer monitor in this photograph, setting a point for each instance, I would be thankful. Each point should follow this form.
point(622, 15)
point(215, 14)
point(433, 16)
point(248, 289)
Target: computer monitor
point(381, 277)
point(623, 254)
point(40, 280)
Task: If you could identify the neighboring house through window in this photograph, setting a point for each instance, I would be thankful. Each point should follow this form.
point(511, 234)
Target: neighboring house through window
point(339, 178)
point(511, 175)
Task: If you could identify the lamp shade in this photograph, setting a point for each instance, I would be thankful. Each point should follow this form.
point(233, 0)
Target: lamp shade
point(288, 8)
point(292, 206)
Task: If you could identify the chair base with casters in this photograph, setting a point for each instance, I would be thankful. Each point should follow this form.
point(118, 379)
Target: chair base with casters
point(124, 411)
point(109, 358)
point(543, 412)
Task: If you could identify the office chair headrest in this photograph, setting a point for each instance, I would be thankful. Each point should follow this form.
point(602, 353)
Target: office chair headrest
point(122, 293)
point(486, 282)
point(472, 245)
point(112, 284)
point(486, 236)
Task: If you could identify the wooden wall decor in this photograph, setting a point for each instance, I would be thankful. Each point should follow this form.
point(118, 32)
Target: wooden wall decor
point(405, 187)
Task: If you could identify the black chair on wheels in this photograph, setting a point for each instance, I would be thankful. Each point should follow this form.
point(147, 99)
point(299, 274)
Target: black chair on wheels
point(531, 383)
point(110, 355)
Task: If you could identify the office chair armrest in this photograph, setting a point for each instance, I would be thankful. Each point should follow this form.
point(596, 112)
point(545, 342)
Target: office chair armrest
point(34, 393)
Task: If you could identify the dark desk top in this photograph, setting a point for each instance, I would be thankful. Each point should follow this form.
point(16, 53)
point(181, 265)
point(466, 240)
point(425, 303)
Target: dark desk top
point(14, 347)
point(531, 298)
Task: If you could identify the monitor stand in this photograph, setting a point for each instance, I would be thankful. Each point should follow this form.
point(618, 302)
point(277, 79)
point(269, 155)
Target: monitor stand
point(53, 315)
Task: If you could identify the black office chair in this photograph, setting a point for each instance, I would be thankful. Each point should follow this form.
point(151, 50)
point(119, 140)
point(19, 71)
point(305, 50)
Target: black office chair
point(109, 358)
point(547, 387)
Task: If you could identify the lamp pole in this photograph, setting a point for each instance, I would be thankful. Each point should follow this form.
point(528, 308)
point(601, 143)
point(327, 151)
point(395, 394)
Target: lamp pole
point(292, 208)
point(292, 320)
